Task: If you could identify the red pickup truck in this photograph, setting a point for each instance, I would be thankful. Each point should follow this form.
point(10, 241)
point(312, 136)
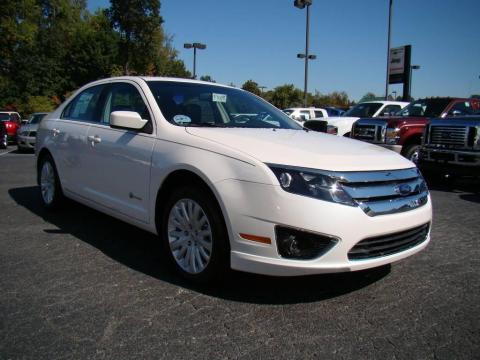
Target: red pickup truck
point(403, 132)
point(12, 121)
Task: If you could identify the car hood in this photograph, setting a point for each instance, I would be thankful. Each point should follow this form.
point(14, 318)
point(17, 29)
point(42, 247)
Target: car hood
point(305, 149)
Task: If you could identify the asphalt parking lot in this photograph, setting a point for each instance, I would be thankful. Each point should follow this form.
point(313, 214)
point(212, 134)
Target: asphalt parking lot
point(79, 284)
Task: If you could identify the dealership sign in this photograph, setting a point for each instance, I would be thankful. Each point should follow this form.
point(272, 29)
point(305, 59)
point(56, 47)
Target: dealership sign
point(399, 65)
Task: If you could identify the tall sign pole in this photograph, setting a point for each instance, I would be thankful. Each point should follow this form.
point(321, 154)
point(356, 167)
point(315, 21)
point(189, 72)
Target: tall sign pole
point(307, 43)
point(388, 46)
point(307, 56)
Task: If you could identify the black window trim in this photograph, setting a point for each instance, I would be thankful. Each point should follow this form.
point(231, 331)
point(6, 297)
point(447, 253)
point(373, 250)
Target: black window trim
point(106, 86)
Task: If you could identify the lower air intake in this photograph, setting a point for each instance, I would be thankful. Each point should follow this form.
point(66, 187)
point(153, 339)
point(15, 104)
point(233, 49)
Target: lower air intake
point(389, 244)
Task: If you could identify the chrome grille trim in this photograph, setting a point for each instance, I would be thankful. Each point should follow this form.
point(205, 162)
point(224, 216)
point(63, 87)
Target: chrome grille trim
point(372, 131)
point(386, 192)
point(393, 206)
point(449, 135)
point(382, 190)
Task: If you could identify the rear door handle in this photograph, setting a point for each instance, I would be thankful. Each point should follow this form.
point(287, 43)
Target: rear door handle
point(94, 139)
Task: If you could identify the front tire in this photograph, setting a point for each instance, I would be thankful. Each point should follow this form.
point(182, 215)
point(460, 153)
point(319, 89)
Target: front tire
point(194, 234)
point(412, 152)
point(50, 188)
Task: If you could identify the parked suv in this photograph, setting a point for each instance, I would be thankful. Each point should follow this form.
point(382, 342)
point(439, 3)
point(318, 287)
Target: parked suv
point(451, 146)
point(12, 122)
point(403, 133)
point(343, 124)
point(268, 197)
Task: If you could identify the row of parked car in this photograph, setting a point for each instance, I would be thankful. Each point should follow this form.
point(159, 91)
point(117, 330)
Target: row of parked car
point(17, 131)
point(440, 135)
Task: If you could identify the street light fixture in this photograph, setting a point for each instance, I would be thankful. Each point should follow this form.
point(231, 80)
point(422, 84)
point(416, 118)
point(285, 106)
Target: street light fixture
point(412, 67)
point(195, 46)
point(302, 4)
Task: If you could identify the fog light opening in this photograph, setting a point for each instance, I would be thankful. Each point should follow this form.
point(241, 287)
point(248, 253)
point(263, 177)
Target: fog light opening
point(297, 244)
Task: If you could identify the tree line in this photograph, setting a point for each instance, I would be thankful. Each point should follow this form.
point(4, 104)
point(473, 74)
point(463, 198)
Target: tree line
point(51, 47)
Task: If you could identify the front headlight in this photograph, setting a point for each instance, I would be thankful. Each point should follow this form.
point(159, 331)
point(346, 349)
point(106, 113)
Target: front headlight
point(311, 183)
point(392, 136)
point(476, 141)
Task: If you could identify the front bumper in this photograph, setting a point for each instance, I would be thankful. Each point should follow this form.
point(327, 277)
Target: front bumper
point(26, 142)
point(256, 209)
point(452, 162)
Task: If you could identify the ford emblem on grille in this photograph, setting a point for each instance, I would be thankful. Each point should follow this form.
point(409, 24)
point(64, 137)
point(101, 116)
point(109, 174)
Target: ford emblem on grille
point(403, 189)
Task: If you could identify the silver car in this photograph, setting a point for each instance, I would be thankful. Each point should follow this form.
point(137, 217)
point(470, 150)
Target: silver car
point(27, 134)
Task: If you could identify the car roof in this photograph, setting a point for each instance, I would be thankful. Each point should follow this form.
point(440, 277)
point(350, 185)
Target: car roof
point(385, 102)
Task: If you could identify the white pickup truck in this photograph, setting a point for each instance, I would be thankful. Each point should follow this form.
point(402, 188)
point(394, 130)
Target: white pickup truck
point(255, 192)
point(368, 109)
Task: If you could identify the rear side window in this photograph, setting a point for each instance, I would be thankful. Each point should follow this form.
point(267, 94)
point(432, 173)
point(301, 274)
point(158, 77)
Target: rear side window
point(391, 109)
point(318, 114)
point(85, 105)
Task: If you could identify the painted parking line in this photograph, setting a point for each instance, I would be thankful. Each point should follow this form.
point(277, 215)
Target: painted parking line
point(7, 152)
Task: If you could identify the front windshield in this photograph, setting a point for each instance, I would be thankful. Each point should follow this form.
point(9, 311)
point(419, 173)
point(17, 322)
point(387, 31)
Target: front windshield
point(193, 104)
point(363, 110)
point(425, 108)
point(4, 117)
point(35, 119)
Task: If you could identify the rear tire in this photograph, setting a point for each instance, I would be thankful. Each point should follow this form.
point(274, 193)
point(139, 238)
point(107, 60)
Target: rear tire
point(194, 235)
point(50, 188)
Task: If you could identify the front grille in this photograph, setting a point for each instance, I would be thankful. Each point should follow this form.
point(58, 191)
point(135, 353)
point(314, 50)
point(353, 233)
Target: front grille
point(378, 246)
point(372, 131)
point(365, 132)
point(386, 192)
point(449, 135)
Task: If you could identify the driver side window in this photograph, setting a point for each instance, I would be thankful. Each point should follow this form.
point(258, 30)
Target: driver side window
point(123, 97)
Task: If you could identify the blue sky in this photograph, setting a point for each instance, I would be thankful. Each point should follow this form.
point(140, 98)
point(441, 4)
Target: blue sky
point(259, 40)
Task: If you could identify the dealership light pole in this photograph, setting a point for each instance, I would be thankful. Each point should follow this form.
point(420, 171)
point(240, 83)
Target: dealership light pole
point(412, 67)
point(388, 45)
point(301, 4)
point(195, 46)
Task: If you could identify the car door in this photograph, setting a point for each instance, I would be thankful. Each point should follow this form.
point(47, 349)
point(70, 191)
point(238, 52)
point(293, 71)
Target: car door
point(119, 159)
point(69, 138)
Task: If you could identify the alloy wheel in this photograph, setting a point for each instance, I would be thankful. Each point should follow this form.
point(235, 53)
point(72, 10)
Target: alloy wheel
point(47, 182)
point(190, 236)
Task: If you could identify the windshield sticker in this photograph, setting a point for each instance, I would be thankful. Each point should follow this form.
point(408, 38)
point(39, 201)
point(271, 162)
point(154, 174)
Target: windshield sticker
point(219, 98)
point(182, 119)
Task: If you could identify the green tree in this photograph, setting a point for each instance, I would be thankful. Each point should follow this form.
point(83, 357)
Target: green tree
point(285, 96)
point(207, 78)
point(252, 87)
point(368, 97)
point(140, 27)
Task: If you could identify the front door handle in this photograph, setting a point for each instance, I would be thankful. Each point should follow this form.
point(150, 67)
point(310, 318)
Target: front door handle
point(94, 139)
point(55, 132)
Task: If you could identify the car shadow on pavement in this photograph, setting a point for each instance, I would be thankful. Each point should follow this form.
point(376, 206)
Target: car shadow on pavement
point(467, 188)
point(140, 251)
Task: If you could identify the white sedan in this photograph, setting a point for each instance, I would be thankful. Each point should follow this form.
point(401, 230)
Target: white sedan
point(220, 190)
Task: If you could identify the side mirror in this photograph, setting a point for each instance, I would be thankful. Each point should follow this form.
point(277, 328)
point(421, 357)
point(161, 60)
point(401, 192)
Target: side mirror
point(316, 125)
point(127, 120)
